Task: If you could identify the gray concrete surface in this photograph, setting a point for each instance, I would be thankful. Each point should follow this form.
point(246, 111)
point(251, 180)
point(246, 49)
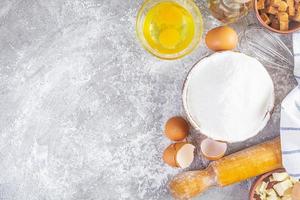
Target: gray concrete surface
point(82, 105)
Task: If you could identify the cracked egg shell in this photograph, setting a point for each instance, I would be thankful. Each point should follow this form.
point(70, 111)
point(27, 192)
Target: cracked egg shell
point(179, 154)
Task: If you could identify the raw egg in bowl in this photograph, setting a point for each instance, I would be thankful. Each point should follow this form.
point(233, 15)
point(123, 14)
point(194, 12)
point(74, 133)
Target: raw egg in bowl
point(169, 29)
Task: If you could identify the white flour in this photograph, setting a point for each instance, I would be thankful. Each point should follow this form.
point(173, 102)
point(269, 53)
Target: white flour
point(228, 96)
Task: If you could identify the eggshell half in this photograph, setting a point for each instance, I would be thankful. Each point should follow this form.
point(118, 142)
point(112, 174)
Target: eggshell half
point(185, 155)
point(169, 155)
point(179, 154)
point(212, 149)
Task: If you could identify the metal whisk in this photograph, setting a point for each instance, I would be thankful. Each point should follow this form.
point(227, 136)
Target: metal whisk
point(266, 47)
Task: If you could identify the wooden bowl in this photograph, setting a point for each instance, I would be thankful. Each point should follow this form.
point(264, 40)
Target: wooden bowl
point(294, 26)
point(259, 180)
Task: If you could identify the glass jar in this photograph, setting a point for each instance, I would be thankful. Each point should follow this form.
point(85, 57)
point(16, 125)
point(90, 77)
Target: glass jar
point(229, 11)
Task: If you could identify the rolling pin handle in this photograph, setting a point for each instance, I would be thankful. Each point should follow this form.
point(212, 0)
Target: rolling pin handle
point(189, 184)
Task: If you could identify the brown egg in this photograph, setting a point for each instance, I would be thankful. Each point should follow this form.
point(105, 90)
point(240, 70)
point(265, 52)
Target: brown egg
point(179, 154)
point(176, 129)
point(221, 38)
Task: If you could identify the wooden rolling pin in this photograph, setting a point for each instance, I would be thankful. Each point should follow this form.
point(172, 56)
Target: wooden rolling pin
point(236, 167)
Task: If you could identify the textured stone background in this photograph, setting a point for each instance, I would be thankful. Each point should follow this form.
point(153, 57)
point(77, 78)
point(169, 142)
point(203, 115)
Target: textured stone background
point(82, 105)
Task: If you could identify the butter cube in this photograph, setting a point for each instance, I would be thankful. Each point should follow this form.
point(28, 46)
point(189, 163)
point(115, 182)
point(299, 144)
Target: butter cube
point(272, 198)
point(281, 187)
point(293, 180)
point(280, 176)
point(258, 188)
point(263, 187)
point(286, 198)
point(272, 10)
point(271, 192)
point(271, 179)
point(288, 192)
point(263, 196)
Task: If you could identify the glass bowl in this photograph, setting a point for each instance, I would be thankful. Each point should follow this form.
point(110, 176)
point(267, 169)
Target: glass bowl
point(190, 6)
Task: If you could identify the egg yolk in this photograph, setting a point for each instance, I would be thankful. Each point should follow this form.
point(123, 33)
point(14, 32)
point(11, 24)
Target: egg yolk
point(168, 15)
point(168, 28)
point(169, 38)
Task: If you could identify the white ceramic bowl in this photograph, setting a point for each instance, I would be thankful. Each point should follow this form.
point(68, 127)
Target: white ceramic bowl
point(198, 127)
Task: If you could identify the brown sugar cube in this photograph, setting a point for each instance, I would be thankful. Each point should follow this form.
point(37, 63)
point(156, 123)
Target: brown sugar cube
point(263, 11)
point(291, 7)
point(275, 24)
point(283, 17)
point(260, 4)
point(282, 6)
point(297, 7)
point(283, 25)
point(265, 18)
point(272, 10)
point(272, 17)
point(275, 3)
point(296, 17)
point(291, 3)
point(291, 11)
